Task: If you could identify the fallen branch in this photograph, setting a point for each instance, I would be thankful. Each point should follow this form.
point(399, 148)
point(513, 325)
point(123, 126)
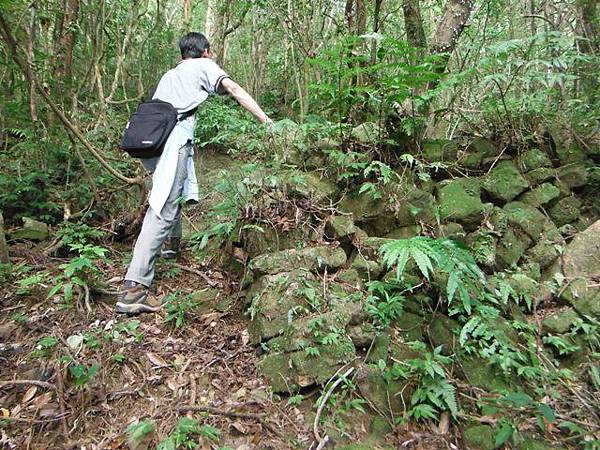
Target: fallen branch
point(210, 282)
point(323, 441)
point(233, 414)
point(38, 383)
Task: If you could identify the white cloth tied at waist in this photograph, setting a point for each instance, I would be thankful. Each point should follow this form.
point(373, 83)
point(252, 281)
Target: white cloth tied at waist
point(164, 173)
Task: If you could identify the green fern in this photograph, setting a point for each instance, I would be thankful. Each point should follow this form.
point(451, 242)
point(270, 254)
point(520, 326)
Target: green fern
point(464, 276)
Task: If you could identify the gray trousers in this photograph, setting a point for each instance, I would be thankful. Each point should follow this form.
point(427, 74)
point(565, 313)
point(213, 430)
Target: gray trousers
point(156, 229)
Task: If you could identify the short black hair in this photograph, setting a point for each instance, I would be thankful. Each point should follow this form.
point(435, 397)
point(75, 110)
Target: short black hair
point(193, 45)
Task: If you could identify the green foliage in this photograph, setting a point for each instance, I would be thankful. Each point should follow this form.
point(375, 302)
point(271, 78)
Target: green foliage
point(464, 276)
point(82, 374)
point(385, 302)
point(178, 307)
point(184, 433)
point(434, 393)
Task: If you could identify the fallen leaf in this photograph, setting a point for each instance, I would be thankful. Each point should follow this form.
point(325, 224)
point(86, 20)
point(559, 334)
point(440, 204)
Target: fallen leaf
point(444, 424)
point(156, 360)
point(29, 394)
point(245, 337)
point(75, 341)
point(42, 400)
point(239, 427)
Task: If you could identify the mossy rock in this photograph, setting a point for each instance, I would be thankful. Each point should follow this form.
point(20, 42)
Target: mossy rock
point(310, 258)
point(405, 232)
point(478, 151)
point(459, 200)
point(312, 186)
point(543, 253)
point(32, 230)
point(379, 349)
point(565, 211)
point(414, 205)
point(443, 331)
point(451, 230)
point(478, 437)
point(287, 372)
point(339, 227)
point(541, 175)
point(504, 183)
point(269, 240)
point(583, 296)
point(541, 195)
point(273, 298)
point(436, 150)
point(483, 247)
point(482, 374)
point(534, 159)
point(570, 153)
point(409, 326)
point(531, 443)
point(377, 391)
point(573, 175)
point(525, 217)
point(367, 269)
point(511, 247)
point(559, 322)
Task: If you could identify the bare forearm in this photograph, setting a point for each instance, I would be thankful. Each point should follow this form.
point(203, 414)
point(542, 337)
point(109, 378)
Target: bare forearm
point(245, 100)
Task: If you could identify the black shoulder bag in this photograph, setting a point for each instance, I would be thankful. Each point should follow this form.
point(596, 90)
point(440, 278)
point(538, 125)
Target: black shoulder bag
point(149, 128)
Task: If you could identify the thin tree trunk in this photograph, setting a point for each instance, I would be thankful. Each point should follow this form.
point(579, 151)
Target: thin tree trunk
point(66, 40)
point(413, 22)
point(587, 11)
point(376, 18)
point(187, 14)
point(31, 38)
point(4, 259)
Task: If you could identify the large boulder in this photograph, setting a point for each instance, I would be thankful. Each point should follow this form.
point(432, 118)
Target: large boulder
point(310, 258)
point(504, 183)
point(32, 230)
point(459, 200)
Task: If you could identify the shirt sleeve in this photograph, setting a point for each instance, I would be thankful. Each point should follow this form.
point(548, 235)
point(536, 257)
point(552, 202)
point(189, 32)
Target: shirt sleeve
point(212, 77)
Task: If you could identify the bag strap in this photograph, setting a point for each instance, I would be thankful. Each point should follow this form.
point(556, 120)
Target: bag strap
point(187, 114)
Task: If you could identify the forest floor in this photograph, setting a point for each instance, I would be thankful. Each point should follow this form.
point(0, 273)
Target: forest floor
point(149, 369)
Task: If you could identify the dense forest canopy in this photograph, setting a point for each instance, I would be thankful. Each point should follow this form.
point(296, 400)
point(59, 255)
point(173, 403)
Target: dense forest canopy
point(406, 258)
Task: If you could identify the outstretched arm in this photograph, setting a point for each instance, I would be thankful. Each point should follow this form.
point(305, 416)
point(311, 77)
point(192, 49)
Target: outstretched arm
point(244, 99)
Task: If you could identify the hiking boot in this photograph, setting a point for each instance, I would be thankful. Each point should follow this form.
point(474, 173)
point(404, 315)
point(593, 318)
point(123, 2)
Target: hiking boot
point(170, 248)
point(135, 300)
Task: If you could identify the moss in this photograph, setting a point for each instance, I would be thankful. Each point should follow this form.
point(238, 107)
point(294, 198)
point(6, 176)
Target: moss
point(525, 217)
point(482, 374)
point(311, 258)
point(541, 195)
point(405, 232)
point(443, 331)
point(459, 200)
point(504, 183)
point(410, 327)
point(311, 185)
point(439, 150)
point(565, 211)
point(479, 437)
point(511, 248)
point(573, 175)
point(534, 159)
point(541, 175)
point(560, 322)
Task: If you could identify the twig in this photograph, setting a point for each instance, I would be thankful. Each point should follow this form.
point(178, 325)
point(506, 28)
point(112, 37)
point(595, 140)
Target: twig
point(210, 282)
point(88, 306)
point(222, 412)
point(43, 384)
point(323, 441)
point(61, 399)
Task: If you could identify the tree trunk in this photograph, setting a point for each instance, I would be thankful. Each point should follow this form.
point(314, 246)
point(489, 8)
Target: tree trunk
point(4, 259)
point(413, 22)
point(587, 25)
point(187, 14)
point(451, 27)
point(376, 18)
point(66, 39)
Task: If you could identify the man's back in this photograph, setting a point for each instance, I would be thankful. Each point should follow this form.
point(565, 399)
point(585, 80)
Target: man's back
point(189, 84)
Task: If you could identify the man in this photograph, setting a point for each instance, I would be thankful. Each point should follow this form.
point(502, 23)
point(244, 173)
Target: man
point(186, 87)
